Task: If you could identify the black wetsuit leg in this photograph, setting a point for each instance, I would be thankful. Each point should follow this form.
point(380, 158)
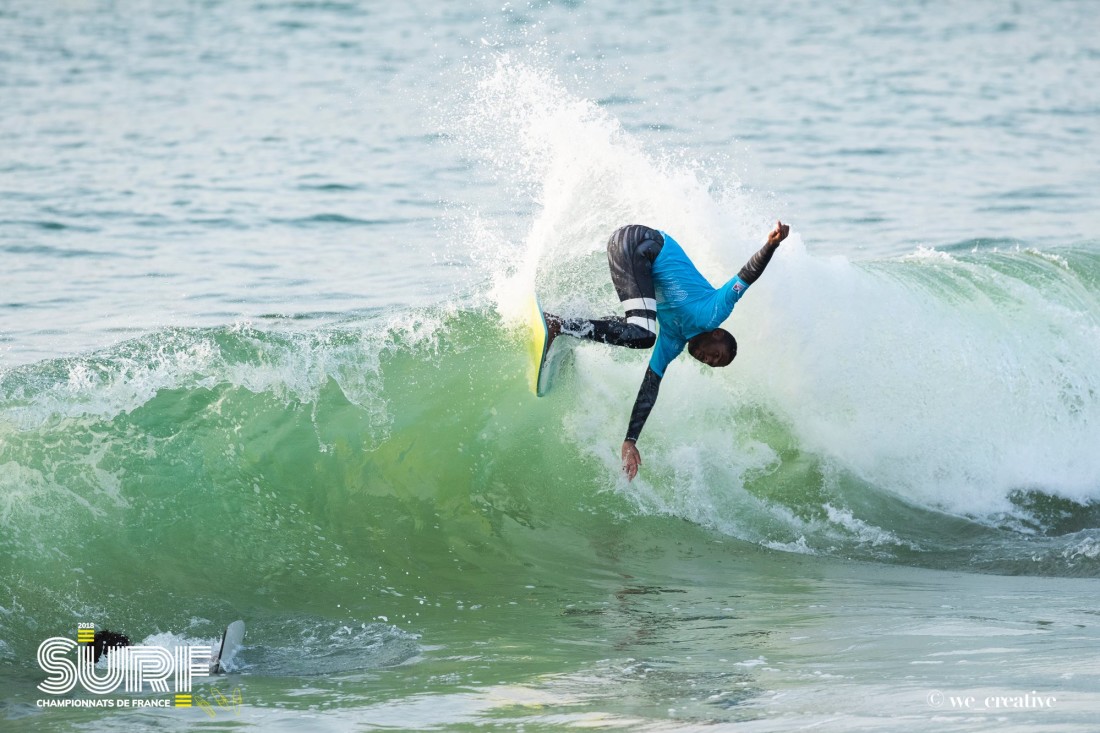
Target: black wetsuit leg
point(631, 251)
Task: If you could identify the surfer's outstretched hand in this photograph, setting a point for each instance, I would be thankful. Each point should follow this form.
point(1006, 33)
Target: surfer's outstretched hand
point(778, 234)
point(631, 459)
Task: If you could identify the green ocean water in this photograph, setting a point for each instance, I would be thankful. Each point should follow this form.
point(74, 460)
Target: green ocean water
point(409, 531)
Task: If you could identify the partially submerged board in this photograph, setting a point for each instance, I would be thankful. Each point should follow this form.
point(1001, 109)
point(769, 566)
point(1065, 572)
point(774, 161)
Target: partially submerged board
point(223, 653)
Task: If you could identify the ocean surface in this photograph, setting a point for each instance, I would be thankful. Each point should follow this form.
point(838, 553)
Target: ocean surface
point(262, 266)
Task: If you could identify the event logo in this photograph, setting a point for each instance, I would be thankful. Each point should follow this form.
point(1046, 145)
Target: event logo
point(129, 667)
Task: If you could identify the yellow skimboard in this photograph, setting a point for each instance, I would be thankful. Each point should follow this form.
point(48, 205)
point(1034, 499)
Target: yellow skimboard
point(545, 359)
point(537, 336)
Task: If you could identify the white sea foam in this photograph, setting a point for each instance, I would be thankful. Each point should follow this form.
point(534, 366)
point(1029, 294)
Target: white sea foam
point(944, 382)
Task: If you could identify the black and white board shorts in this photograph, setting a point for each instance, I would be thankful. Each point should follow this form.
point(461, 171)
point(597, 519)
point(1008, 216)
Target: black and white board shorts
point(631, 252)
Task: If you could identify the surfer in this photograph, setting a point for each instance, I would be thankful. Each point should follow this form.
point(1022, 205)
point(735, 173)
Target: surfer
point(105, 641)
point(646, 263)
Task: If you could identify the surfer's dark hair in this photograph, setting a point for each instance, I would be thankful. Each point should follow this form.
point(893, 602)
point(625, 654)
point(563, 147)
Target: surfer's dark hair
point(718, 335)
point(725, 337)
point(106, 640)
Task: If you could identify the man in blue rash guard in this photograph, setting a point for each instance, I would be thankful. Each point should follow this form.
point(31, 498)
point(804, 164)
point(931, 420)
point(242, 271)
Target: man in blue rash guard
point(658, 284)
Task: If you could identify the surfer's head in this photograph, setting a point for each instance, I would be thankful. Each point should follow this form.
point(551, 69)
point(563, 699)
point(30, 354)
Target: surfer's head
point(106, 640)
point(714, 348)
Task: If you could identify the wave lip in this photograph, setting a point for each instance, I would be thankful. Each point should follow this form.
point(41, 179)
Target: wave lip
point(429, 411)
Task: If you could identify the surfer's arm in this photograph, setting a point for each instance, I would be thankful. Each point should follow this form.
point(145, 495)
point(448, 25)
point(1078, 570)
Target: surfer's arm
point(754, 268)
point(643, 405)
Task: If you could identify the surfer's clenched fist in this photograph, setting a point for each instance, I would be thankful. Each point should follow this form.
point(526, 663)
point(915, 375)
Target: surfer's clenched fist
point(631, 459)
point(778, 234)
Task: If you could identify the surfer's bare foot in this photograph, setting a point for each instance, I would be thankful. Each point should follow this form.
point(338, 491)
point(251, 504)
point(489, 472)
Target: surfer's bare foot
point(553, 328)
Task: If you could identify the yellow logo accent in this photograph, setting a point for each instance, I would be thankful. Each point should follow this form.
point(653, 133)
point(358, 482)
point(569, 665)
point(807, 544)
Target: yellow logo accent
point(183, 701)
point(85, 636)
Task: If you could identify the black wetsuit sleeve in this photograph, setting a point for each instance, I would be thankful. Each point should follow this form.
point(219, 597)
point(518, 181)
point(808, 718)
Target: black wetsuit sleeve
point(647, 396)
point(754, 268)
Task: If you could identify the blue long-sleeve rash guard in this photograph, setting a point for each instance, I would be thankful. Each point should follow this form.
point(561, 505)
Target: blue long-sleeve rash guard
point(687, 305)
